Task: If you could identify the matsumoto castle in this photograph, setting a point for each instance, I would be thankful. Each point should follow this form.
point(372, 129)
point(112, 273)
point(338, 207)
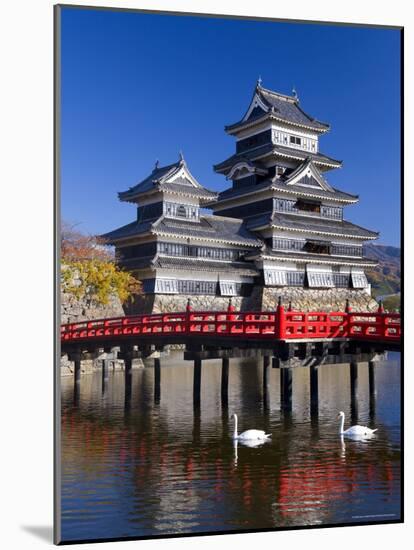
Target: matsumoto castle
point(277, 230)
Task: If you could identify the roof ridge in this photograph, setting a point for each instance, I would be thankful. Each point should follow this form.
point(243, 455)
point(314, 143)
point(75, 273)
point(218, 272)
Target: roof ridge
point(293, 99)
point(229, 218)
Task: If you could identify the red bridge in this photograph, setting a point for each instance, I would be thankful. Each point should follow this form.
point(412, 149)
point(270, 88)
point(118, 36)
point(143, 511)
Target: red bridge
point(284, 338)
point(282, 325)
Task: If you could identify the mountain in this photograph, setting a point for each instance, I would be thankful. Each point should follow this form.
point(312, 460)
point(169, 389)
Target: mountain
point(386, 278)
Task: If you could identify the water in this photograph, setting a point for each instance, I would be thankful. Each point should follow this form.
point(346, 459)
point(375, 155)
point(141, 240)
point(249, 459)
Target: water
point(155, 469)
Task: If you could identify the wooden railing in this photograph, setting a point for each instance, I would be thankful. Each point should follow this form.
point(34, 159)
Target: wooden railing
point(280, 325)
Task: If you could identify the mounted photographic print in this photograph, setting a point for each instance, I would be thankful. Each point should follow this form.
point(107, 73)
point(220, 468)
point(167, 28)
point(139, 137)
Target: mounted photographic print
point(228, 274)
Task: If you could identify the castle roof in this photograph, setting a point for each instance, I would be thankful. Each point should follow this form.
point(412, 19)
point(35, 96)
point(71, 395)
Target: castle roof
point(310, 225)
point(301, 257)
point(272, 150)
point(304, 181)
point(174, 178)
point(214, 228)
point(267, 103)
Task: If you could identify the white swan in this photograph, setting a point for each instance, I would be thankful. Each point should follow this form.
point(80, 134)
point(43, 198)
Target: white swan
point(353, 430)
point(249, 434)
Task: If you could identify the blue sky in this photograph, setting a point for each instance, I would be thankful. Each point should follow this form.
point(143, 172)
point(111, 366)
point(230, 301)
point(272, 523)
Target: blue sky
point(140, 87)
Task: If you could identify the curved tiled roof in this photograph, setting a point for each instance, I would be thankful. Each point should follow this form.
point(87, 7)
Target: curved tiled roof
point(205, 264)
point(310, 224)
point(216, 228)
point(159, 180)
point(283, 107)
point(270, 149)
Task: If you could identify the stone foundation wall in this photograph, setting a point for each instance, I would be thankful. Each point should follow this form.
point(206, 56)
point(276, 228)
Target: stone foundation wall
point(169, 303)
point(73, 310)
point(261, 299)
point(330, 299)
point(89, 366)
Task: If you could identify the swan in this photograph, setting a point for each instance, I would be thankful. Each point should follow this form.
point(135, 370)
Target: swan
point(249, 434)
point(353, 430)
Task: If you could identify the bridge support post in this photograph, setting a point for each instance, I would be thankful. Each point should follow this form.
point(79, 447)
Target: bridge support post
point(157, 379)
point(286, 389)
point(197, 382)
point(225, 381)
point(371, 379)
point(76, 358)
point(353, 370)
point(314, 389)
point(266, 383)
point(128, 377)
point(372, 389)
point(77, 371)
point(105, 375)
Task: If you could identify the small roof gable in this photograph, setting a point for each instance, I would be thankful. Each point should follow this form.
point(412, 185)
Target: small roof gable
point(174, 178)
point(307, 175)
point(280, 106)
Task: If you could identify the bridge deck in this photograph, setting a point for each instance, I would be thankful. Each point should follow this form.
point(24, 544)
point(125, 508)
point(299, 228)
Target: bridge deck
point(255, 329)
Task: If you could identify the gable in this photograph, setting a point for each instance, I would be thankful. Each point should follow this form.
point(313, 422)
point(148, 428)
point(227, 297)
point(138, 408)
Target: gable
point(307, 175)
point(257, 107)
point(182, 176)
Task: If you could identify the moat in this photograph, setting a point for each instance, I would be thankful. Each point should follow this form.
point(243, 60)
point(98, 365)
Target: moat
point(159, 468)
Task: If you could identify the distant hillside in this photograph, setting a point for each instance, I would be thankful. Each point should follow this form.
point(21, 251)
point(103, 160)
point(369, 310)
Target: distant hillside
point(386, 278)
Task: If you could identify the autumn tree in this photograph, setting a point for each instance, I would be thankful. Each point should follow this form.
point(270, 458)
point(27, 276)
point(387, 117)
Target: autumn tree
point(88, 269)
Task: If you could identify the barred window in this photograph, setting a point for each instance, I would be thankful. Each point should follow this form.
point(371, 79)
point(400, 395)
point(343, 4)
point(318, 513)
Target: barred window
point(282, 205)
point(228, 288)
point(359, 280)
point(188, 211)
point(166, 286)
point(341, 280)
point(316, 279)
point(287, 244)
point(332, 212)
point(295, 278)
point(346, 250)
point(197, 287)
point(273, 277)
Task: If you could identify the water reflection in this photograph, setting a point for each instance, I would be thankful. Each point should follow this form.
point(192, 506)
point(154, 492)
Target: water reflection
point(154, 468)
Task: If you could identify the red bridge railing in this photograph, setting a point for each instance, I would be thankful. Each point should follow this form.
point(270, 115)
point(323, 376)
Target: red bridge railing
point(280, 325)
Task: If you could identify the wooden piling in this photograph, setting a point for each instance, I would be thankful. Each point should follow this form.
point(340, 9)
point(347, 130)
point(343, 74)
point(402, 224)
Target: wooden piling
point(77, 372)
point(157, 379)
point(353, 370)
point(128, 377)
point(197, 382)
point(371, 379)
point(266, 382)
point(225, 380)
point(105, 375)
point(286, 388)
point(266, 364)
point(314, 388)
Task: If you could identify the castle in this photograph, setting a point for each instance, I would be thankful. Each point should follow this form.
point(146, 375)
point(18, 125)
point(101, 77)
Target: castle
point(278, 230)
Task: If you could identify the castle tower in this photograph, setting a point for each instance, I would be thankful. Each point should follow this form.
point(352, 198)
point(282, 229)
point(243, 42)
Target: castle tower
point(281, 192)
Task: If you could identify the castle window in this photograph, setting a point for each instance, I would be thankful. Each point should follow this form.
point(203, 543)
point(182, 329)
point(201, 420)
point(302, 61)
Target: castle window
point(228, 288)
point(359, 280)
point(181, 211)
point(295, 140)
point(316, 280)
point(317, 247)
point(308, 206)
point(273, 277)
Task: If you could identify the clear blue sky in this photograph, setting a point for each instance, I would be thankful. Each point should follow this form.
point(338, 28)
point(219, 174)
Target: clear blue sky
point(140, 87)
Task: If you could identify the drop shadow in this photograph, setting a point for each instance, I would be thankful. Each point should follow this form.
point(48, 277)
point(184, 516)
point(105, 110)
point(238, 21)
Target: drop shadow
point(43, 532)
